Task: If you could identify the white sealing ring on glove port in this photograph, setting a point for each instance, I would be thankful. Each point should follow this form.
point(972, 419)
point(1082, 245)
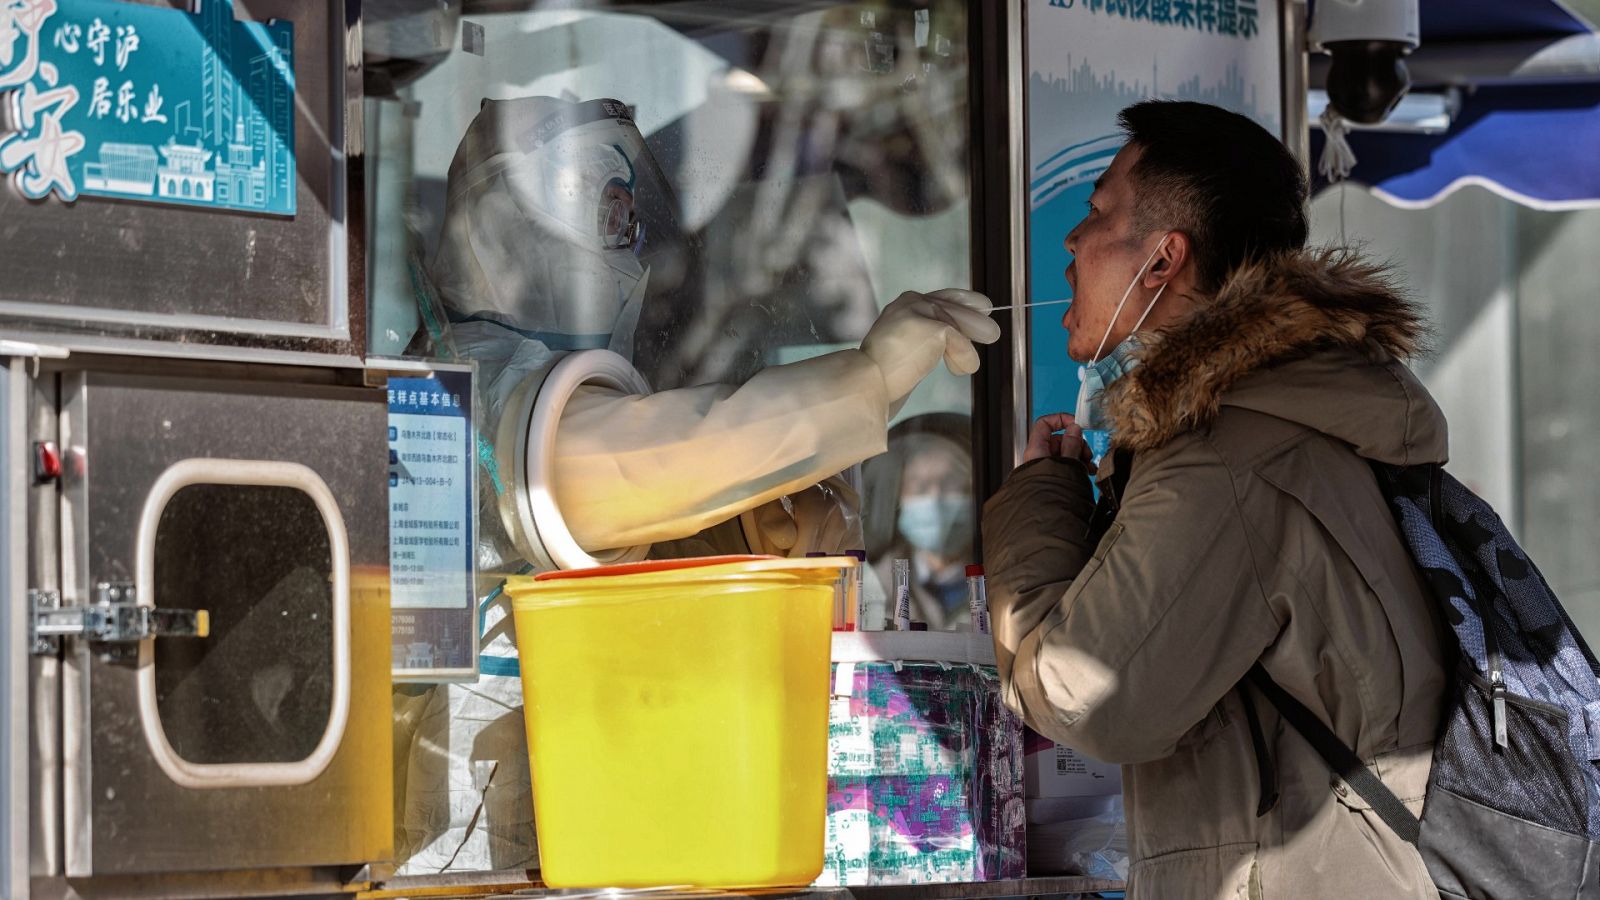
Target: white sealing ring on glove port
point(552, 539)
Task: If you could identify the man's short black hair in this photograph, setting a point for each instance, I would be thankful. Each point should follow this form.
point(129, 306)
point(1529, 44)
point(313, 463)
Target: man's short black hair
point(1219, 178)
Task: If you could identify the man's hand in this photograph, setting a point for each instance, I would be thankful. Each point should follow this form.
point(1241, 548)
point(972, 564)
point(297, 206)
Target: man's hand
point(1057, 434)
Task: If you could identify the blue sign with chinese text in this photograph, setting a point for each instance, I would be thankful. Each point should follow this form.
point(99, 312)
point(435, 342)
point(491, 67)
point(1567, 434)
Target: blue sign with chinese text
point(1238, 18)
point(141, 103)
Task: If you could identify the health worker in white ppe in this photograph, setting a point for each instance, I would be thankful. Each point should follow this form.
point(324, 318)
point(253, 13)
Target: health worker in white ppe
point(542, 271)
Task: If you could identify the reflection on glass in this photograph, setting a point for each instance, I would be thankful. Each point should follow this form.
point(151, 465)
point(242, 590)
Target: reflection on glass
point(259, 688)
point(804, 169)
point(920, 507)
point(819, 163)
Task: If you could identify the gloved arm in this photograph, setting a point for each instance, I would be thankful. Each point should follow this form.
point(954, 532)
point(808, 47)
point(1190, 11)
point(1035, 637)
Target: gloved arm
point(825, 517)
point(639, 469)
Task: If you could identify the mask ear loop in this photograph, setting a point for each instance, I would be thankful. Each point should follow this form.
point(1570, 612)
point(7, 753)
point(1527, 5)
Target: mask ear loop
point(1125, 295)
point(1149, 309)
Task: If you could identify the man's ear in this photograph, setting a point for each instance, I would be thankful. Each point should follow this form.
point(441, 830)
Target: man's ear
point(1171, 258)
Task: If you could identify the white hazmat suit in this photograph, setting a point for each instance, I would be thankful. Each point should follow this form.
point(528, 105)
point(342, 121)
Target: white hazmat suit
point(549, 204)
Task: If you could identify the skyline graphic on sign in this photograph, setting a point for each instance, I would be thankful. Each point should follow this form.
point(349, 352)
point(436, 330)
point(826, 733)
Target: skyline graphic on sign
point(1060, 104)
point(157, 105)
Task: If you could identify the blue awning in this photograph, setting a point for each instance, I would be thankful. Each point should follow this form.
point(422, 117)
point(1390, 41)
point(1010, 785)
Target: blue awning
point(1536, 141)
point(1536, 144)
point(1457, 20)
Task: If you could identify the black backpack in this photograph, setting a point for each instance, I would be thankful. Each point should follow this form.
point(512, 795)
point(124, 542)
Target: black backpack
point(1513, 802)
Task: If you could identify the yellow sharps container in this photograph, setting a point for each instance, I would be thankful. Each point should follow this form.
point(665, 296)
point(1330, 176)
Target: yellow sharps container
point(677, 717)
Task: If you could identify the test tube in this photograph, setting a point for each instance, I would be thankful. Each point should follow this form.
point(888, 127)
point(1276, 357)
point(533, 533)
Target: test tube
point(977, 599)
point(838, 592)
point(902, 594)
point(856, 602)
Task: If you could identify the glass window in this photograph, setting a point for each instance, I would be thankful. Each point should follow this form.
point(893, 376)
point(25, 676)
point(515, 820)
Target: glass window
point(919, 506)
point(260, 688)
point(803, 165)
point(1557, 427)
point(1510, 292)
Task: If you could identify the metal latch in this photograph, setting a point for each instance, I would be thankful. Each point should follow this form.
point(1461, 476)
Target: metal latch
point(114, 617)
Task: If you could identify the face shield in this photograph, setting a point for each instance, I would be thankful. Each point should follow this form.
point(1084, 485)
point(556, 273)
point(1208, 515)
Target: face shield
point(552, 208)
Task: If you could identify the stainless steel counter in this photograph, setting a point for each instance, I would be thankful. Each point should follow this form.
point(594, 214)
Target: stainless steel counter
point(1062, 886)
point(498, 888)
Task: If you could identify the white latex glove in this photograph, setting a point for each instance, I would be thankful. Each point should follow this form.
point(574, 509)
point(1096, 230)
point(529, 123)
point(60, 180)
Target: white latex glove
point(825, 518)
point(914, 332)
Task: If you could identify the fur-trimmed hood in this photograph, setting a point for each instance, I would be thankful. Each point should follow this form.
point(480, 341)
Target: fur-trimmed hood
point(1333, 330)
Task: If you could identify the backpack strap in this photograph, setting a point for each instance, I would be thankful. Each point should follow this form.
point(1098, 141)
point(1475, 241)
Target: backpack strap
point(1111, 493)
point(1266, 768)
point(1339, 757)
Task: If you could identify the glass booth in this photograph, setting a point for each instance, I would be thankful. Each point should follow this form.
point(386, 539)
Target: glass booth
point(800, 168)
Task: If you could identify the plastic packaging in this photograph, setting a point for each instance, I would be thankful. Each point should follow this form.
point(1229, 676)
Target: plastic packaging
point(1096, 845)
point(977, 599)
point(924, 776)
point(677, 720)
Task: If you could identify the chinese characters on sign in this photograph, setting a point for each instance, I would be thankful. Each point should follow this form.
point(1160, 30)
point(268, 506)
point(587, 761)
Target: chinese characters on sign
point(430, 522)
point(117, 99)
point(1239, 18)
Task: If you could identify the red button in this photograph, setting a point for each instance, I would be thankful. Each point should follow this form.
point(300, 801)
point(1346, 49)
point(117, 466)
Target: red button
point(46, 462)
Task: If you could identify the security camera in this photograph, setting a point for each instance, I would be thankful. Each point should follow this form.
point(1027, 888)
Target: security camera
point(1368, 40)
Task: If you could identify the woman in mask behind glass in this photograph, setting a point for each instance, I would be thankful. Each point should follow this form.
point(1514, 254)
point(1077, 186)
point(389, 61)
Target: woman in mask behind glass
point(920, 507)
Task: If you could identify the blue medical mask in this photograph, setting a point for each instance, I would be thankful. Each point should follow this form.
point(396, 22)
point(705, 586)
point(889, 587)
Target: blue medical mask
point(937, 523)
point(1098, 376)
point(1102, 371)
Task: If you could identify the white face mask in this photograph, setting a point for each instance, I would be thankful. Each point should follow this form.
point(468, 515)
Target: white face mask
point(1101, 371)
point(940, 524)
